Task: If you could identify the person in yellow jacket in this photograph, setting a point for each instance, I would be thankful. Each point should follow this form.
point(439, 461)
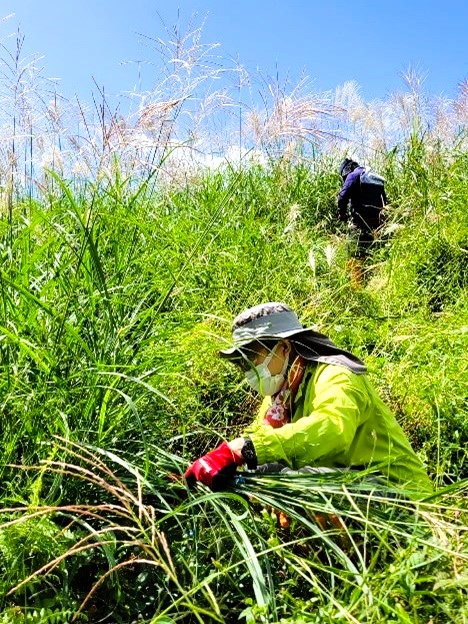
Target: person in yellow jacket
point(320, 409)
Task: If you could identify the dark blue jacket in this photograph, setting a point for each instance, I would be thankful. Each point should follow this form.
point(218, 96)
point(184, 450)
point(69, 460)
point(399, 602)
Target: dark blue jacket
point(360, 198)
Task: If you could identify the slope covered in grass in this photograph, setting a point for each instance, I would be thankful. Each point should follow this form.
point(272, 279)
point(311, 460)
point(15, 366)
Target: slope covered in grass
point(116, 296)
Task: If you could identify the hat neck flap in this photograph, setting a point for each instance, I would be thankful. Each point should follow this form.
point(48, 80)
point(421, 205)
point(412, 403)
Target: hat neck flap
point(316, 347)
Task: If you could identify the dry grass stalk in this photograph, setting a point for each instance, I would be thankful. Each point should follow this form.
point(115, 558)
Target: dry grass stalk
point(185, 109)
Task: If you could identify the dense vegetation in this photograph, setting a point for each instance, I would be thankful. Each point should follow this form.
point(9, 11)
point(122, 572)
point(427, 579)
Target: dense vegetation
point(117, 290)
point(114, 304)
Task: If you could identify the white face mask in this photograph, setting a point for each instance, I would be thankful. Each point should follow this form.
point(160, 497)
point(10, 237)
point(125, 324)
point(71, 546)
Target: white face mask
point(262, 381)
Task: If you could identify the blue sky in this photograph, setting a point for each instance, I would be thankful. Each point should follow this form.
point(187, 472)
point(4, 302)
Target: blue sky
point(332, 41)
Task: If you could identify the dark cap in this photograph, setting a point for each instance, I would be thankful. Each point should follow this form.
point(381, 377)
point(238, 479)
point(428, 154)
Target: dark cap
point(346, 166)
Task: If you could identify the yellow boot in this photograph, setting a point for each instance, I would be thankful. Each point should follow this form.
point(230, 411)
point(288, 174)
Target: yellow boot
point(355, 268)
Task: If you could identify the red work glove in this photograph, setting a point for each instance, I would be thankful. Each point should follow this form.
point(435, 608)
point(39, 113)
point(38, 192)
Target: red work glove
point(214, 468)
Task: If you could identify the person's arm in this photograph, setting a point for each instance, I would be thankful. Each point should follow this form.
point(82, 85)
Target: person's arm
point(334, 412)
point(327, 428)
point(217, 467)
point(345, 195)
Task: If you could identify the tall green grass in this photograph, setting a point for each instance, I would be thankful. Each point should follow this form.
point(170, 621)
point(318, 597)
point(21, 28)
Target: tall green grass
point(123, 263)
point(115, 301)
point(148, 549)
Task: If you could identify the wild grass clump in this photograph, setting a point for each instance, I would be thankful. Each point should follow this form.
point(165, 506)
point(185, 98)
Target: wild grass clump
point(148, 548)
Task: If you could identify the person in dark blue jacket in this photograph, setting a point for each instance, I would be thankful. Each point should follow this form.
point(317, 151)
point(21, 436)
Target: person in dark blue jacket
point(362, 197)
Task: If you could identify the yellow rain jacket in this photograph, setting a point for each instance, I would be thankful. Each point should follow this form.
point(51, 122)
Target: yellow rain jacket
point(338, 421)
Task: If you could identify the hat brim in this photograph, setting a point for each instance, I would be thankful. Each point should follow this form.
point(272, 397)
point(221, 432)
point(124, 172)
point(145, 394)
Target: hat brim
point(235, 352)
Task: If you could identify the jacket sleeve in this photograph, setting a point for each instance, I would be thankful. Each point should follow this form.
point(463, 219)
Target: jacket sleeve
point(346, 193)
point(334, 405)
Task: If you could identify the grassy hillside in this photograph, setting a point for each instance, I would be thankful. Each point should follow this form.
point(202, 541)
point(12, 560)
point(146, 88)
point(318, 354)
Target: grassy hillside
point(115, 298)
point(127, 247)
